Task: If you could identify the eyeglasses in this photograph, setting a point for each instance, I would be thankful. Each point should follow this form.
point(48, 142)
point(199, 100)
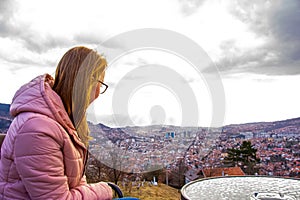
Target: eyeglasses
point(103, 87)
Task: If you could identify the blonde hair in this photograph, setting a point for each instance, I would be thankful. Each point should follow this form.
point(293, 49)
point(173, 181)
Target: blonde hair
point(76, 73)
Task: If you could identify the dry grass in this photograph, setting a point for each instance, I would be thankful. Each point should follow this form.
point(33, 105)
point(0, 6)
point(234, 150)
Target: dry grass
point(159, 192)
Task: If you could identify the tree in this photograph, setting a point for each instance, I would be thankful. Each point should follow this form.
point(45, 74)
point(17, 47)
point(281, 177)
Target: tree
point(106, 167)
point(233, 157)
point(244, 156)
point(95, 170)
point(249, 159)
point(115, 172)
point(177, 178)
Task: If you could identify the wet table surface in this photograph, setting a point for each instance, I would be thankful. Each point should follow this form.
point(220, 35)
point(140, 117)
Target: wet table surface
point(237, 188)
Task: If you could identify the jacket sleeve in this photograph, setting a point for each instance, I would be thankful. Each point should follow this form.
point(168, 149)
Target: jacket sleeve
point(40, 164)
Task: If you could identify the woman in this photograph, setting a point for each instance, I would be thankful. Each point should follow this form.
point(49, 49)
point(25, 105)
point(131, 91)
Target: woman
point(45, 150)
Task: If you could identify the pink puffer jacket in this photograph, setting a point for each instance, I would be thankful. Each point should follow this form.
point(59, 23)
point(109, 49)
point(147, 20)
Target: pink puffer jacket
point(42, 157)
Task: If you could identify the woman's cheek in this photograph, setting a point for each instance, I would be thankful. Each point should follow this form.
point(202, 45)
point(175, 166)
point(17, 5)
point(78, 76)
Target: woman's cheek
point(97, 93)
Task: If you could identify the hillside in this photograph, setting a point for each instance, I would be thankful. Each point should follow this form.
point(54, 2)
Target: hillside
point(4, 110)
point(160, 192)
point(289, 125)
point(5, 118)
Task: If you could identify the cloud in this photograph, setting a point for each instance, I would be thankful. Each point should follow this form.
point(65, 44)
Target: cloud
point(8, 25)
point(22, 44)
point(88, 38)
point(40, 43)
point(34, 38)
point(268, 59)
point(284, 23)
point(16, 52)
point(284, 19)
point(277, 24)
point(189, 7)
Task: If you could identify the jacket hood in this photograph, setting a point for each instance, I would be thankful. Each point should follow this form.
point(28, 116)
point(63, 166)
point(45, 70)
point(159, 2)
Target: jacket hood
point(37, 96)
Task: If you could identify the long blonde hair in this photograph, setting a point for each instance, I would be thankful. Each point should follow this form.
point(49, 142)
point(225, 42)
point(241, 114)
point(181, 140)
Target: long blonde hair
point(76, 73)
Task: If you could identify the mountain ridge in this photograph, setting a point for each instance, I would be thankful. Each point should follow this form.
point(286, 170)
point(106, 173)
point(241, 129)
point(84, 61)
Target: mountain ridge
point(286, 124)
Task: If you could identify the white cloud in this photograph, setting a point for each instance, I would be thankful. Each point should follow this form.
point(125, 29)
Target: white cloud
point(242, 37)
point(252, 98)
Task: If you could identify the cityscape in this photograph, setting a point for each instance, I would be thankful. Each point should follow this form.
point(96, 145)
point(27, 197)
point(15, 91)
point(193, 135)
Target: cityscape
point(277, 144)
point(142, 149)
point(137, 157)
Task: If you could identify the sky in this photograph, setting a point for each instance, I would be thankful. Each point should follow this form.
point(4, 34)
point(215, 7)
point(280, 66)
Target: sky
point(251, 50)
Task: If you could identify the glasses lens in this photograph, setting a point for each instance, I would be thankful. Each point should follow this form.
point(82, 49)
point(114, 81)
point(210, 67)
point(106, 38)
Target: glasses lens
point(103, 88)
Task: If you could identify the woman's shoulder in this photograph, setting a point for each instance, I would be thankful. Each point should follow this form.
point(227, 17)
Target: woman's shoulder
point(35, 123)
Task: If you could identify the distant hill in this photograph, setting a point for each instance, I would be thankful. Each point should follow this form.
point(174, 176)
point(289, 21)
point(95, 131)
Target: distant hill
point(4, 110)
point(284, 126)
point(5, 118)
point(289, 125)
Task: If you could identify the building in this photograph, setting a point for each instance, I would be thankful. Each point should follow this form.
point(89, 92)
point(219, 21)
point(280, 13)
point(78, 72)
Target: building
point(228, 171)
point(247, 135)
point(194, 174)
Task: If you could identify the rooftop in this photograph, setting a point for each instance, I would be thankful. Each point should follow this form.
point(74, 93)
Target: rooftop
point(231, 171)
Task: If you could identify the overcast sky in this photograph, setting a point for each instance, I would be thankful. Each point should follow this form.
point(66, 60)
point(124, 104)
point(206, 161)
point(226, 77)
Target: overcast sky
point(255, 46)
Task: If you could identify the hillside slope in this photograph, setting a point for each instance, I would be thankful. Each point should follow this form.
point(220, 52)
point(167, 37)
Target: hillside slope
point(5, 118)
point(160, 192)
